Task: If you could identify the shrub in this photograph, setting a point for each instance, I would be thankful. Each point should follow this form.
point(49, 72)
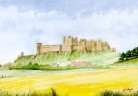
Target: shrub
point(45, 67)
point(111, 93)
point(31, 93)
point(36, 66)
point(32, 66)
point(117, 93)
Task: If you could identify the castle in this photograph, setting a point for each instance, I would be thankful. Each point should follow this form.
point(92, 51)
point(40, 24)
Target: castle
point(70, 44)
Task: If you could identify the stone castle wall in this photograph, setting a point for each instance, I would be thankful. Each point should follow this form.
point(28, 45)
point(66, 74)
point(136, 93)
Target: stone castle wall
point(78, 48)
point(49, 48)
point(113, 49)
point(67, 48)
point(70, 43)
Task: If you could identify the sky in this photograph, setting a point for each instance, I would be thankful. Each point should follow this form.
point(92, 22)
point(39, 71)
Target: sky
point(23, 23)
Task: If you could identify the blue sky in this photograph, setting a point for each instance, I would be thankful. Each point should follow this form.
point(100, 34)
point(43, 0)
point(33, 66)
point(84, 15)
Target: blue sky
point(23, 23)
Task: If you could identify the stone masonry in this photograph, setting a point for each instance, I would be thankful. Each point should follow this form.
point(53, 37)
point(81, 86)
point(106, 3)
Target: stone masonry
point(70, 44)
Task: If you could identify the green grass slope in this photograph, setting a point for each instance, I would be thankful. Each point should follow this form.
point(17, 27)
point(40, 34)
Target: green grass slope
point(128, 62)
point(65, 58)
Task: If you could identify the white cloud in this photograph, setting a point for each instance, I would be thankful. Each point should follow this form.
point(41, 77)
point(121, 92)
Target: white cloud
point(20, 31)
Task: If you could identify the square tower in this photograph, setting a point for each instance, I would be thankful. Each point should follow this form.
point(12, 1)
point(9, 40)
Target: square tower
point(99, 45)
point(38, 47)
point(70, 41)
point(94, 45)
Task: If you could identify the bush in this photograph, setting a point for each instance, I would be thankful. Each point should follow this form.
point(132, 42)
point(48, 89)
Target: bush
point(36, 66)
point(6, 66)
point(45, 67)
point(111, 93)
point(29, 66)
point(31, 93)
point(117, 93)
point(32, 66)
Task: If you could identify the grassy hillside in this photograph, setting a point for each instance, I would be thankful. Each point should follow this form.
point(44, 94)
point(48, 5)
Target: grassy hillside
point(64, 58)
point(86, 83)
point(128, 62)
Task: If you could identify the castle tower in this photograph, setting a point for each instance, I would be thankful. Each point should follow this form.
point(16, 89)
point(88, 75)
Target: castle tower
point(22, 54)
point(89, 45)
point(99, 45)
point(39, 48)
point(63, 40)
point(68, 41)
point(103, 46)
point(75, 41)
point(93, 45)
point(84, 46)
point(83, 43)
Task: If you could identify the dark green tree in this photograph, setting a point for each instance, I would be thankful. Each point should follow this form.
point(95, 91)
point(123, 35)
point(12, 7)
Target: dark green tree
point(128, 55)
point(122, 57)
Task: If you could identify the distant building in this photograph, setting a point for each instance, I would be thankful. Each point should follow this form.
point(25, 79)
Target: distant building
point(21, 54)
point(70, 44)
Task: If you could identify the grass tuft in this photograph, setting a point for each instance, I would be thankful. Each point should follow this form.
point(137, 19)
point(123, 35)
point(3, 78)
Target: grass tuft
point(117, 93)
point(30, 93)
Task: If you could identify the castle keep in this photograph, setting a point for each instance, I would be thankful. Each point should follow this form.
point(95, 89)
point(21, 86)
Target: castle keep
point(70, 44)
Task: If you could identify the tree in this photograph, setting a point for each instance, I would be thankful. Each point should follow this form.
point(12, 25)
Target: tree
point(133, 53)
point(128, 55)
point(122, 57)
point(136, 51)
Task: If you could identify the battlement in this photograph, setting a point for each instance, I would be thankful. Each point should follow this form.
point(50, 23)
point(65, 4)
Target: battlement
point(70, 43)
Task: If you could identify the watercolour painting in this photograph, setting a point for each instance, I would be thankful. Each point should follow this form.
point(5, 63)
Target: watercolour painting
point(68, 47)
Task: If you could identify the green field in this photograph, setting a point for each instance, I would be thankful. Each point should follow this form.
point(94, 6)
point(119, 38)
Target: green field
point(64, 58)
point(73, 83)
point(105, 74)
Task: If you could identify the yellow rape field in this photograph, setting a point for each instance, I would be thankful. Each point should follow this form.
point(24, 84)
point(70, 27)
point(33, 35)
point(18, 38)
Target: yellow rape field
point(76, 83)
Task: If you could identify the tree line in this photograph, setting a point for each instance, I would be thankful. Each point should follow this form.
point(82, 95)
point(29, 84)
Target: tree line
point(130, 54)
